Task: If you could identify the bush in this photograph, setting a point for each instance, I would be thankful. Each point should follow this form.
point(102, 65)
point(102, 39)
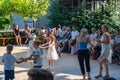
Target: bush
point(4, 23)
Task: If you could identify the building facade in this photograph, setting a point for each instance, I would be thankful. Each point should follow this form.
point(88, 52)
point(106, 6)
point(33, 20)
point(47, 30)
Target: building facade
point(90, 4)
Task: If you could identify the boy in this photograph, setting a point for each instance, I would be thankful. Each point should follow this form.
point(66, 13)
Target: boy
point(9, 61)
point(36, 55)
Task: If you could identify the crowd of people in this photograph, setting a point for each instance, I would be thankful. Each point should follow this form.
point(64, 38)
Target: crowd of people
point(99, 45)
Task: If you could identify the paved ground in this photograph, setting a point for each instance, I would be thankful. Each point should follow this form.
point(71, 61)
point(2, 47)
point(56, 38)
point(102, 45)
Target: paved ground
point(66, 68)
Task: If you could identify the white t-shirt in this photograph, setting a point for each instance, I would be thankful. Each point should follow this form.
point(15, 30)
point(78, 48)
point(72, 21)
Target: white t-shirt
point(9, 61)
point(74, 34)
point(31, 48)
point(39, 61)
point(111, 42)
point(93, 37)
point(59, 32)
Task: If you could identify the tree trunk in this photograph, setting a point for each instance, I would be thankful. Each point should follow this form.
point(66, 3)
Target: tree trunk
point(11, 26)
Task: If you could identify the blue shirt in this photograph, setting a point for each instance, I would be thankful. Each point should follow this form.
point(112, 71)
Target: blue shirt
point(9, 61)
point(39, 61)
point(117, 39)
point(82, 46)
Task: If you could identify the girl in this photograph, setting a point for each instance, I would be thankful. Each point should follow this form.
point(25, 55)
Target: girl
point(52, 53)
point(103, 59)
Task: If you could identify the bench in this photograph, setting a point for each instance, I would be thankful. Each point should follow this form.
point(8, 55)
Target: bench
point(4, 40)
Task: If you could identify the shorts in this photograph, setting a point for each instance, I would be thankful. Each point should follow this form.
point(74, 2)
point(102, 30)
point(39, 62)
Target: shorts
point(9, 74)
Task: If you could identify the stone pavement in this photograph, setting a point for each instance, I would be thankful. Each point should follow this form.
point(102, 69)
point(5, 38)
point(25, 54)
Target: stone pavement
point(66, 68)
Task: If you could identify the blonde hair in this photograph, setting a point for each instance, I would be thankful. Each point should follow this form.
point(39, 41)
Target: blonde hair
point(53, 38)
point(83, 32)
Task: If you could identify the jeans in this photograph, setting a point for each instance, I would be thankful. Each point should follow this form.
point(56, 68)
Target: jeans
point(119, 54)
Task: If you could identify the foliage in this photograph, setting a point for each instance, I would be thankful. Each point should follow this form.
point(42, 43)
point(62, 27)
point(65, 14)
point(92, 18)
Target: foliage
point(57, 14)
point(25, 8)
point(82, 17)
point(4, 23)
point(36, 31)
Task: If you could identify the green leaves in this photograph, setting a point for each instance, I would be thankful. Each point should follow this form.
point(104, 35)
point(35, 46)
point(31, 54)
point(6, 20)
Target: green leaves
point(25, 8)
point(82, 17)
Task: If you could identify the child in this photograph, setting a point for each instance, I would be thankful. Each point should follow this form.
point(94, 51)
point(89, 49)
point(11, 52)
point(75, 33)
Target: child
point(52, 53)
point(9, 62)
point(31, 48)
point(36, 55)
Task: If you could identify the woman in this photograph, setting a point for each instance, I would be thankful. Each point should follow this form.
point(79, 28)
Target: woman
point(103, 59)
point(83, 52)
point(17, 35)
point(27, 33)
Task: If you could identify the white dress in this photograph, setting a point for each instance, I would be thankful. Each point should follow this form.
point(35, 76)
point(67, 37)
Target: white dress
point(105, 50)
point(52, 53)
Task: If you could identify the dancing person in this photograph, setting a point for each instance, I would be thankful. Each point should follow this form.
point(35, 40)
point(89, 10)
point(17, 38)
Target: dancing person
point(9, 61)
point(39, 74)
point(31, 48)
point(83, 52)
point(103, 59)
point(17, 35)
point(36, 55)
point(52, 53)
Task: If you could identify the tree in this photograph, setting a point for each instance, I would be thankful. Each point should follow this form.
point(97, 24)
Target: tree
point(25, 8)
point(82, 17)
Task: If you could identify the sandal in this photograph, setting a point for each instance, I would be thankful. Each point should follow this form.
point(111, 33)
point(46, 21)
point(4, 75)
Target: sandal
point(106, 76)
point(49, 69)
point(98, 76)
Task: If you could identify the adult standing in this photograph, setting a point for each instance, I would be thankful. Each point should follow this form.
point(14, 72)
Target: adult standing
point(103, 59)
point(83, 52)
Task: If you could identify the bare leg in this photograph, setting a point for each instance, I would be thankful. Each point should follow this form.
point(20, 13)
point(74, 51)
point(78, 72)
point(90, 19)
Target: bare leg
point(20, 40)
point(31, 64)
point(106, 68)
point(50, 62)
point(17, 40)
point(89, 75)
point(83, 76)
point(100, 72)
